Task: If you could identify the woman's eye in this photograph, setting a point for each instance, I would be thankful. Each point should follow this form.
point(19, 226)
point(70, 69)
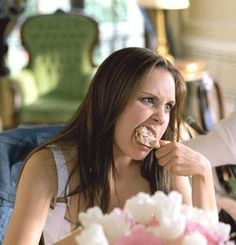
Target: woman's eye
point(148, 100)
point(168, 107)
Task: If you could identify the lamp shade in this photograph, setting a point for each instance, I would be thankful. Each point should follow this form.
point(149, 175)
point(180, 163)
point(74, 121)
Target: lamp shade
point(164, 4)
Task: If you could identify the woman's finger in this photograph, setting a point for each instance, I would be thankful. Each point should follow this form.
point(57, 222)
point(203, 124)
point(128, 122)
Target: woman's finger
point(168, 166)
point(163, 150)
point(164, 159)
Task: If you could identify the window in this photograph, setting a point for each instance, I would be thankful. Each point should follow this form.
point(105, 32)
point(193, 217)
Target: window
point(120, 25)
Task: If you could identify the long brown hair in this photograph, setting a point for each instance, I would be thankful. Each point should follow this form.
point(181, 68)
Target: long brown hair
point(91, 130)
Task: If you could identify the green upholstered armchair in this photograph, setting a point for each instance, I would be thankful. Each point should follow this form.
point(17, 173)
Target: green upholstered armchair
point(60, 48)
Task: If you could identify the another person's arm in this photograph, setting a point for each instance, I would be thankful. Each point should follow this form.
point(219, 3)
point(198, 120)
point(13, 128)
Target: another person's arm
point(228, 204)
point(219, 145)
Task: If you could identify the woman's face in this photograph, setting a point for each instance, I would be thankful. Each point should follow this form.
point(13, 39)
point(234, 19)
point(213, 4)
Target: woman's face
point(150, 105)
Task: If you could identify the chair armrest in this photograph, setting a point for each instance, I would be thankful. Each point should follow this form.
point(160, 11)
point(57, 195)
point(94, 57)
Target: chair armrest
point(25, 83)
point(14, 92)
point(8, 95)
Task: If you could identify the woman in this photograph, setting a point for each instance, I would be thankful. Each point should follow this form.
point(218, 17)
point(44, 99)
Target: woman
point(97, 160)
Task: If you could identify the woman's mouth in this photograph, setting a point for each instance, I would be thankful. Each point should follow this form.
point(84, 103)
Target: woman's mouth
point(145, 136)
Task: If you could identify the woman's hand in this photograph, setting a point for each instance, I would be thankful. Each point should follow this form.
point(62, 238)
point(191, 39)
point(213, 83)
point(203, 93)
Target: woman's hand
point(180, 160)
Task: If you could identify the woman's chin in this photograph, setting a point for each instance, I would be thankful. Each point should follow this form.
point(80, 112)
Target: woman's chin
point(141, 154)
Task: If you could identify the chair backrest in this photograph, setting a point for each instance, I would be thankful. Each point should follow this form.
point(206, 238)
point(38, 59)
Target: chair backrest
point(204, 102)
point(15, 145)
point(60, 48)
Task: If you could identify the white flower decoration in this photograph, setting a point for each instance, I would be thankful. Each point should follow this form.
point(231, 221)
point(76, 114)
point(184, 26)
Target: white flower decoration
point(167, 205)
point(115, 225)
point(169, 229)
point(141, 207)
point(92, 235)
point(194, 238)
point(91, 216)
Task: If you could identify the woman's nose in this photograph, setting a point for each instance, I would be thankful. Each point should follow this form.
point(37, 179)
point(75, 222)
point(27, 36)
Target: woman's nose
point(159, 115)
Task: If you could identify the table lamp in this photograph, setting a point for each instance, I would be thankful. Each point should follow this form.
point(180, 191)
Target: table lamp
point(159, 6)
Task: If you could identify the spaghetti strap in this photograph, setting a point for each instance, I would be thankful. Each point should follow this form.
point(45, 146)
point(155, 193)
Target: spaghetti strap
point(56, 226)
point(62, 172)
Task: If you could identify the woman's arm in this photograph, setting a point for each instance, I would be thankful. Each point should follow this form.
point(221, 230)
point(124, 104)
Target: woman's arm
point(183, 186)
point(180, 160)
point(37, 187)
point(203, 193)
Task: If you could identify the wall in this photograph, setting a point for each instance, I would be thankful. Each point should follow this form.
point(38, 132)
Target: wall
point(209, 33)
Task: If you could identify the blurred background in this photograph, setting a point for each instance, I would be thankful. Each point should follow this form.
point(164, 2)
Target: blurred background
point(200, 34)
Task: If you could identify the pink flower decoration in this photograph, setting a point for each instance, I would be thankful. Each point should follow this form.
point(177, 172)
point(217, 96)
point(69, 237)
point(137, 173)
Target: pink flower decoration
point(139, 236)
point(213, 238)
point(153, 222)
point(127, 216)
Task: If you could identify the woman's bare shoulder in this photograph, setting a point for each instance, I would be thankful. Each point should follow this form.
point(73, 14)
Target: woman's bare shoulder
point(40, 168)
point(42, 154)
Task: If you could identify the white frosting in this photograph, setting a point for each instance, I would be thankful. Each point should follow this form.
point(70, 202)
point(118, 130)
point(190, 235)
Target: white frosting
point(145, 136)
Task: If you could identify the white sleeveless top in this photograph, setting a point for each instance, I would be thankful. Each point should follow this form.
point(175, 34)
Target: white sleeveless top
point(57, 227)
